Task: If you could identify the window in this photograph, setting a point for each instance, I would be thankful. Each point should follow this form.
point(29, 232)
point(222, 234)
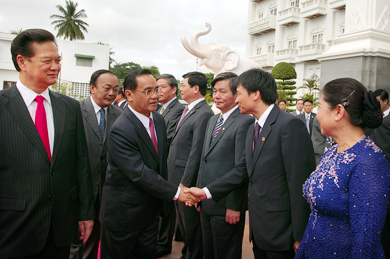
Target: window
point(271, 48)
point(342, 27)
point(258, 51)
point(292, 44)
point(316, 38)
point(84, 62)
point(273, 11)
point(294, 3)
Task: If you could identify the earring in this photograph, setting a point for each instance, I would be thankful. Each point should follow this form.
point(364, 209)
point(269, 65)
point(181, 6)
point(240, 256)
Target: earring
point(337, 118)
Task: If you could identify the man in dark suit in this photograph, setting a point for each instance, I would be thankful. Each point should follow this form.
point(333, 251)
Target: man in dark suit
point(171, 110)
point(299, 105)
point(136, 172)
point(98, 117)
point(223, 222)
point(308, 117)
point(121, 99)
point(45, 180)
point(184, 157)
point(278, 213)
point(282, 105)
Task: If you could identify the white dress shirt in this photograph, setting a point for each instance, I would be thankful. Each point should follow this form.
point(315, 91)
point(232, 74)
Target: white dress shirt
point(97, 110)
point(167, 103)
point(28, 96)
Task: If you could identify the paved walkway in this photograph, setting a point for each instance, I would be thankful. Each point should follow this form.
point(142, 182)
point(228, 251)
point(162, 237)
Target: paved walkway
point(247, 252)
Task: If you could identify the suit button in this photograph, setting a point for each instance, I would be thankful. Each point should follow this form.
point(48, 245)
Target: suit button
point(205, 161)
point(50, 198)
point(250, 183)
point(52, 172)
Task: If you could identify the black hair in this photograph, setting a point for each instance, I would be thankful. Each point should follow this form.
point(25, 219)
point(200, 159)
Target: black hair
point(199, 79)
point(120, 91)
point(282, 101)
point(383, 94)
point(256, 79)
point(299, 99)
point(360, 105)
point(171, 80)
point(98, 73)
point(226, 76)
point(130, 82)
point(308, 100)
point(21, 45)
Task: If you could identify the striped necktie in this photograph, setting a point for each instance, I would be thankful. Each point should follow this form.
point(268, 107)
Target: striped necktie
point(217, 128)
point(102, 125)
point(256, 136)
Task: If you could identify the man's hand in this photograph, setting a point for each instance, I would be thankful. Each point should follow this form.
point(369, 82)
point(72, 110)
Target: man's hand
point(232, 216)
point(197, 192)
point(197, 206)
point(187, 198)
point(85, 229)
point(296, 245)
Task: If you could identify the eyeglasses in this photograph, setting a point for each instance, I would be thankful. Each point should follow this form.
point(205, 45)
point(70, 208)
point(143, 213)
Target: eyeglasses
point(149, 92)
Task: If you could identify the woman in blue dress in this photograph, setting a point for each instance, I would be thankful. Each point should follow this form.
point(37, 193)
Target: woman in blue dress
point(349, 189)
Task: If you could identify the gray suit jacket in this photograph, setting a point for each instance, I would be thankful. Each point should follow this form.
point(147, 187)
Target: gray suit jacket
point(34, 192)
point(302, 117)
point(220, 157)
point(97, 147)
point(172, 116)
point(187, 144)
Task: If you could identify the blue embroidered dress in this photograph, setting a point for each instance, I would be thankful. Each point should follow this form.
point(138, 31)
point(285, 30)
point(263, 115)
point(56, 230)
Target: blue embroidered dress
point(348, 195)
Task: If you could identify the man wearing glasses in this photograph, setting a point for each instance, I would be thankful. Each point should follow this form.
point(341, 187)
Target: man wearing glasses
point(135, 178)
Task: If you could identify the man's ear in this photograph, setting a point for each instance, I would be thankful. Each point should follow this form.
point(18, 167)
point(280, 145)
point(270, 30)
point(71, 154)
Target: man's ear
point(256, 95)
point(21, 62)
point(196, 88)
point(129, 95)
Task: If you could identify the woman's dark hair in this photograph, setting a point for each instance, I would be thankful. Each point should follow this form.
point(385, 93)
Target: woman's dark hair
point(362, 106)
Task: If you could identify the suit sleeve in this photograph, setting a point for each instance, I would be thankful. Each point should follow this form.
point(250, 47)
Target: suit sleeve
point(299, 164)
point(86, 209)
point(192, 166)
point(125, 152)
point(236, 199)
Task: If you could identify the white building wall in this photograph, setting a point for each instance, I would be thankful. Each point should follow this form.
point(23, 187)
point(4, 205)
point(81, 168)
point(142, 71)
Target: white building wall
point(77, 77)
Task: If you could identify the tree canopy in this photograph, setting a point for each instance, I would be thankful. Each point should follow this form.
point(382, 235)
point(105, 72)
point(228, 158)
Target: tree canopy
point(122, 69)
point(286, 89)
point(69, 23)
point(284, 71)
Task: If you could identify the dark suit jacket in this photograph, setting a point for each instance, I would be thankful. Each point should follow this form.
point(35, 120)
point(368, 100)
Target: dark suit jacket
point(97, 148)
point(34, 192)
point(135, 178)
point(186, 146)
point(123, 105)
point(220, 157)
point(278, 213)
point(302, 117)
point(172, 116)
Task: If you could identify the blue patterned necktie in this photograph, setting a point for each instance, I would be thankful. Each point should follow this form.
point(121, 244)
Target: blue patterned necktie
point(256, 136)
point(217, 128)
point(102, 125)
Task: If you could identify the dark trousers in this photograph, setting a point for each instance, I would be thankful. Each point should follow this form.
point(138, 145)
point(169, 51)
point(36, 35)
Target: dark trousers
point(188, 219)
point(166, 228)
point(88, 250)
point(49, 251)
point(141, 244)
point(263, 254)
point(220, 239)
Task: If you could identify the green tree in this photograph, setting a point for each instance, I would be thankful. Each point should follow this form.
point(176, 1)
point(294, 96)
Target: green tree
point(122, 69)
point(69, 23)
point(209, 77)
point(155, 71)
point(64, 88)
point(286, 87)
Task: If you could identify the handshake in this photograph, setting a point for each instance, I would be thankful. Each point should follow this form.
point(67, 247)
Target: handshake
point(191, 196)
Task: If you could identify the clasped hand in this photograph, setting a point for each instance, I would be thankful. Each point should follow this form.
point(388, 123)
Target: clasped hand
point(187, 197)
point(196, 192)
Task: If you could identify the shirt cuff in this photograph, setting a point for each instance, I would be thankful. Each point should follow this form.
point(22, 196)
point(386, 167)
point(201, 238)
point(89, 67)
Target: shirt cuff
point(208, 194)
point(177, 194)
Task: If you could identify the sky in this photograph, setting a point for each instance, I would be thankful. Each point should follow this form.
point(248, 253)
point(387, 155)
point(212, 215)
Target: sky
point(147, 32)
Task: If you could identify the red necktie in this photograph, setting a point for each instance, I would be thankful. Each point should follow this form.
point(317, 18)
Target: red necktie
point(153, 135)
point(41, 124)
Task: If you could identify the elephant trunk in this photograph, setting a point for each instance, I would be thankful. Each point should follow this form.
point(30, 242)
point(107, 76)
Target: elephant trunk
point(195, 48)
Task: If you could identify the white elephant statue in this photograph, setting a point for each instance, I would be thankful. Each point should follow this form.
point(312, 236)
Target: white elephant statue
point(218, 58)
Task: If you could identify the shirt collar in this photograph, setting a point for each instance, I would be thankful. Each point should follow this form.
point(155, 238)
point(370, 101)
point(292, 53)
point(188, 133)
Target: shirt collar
point(144, 120)
point(29, 95)
point(192, 105)
point(226, 115)
point(96, 107)
point(385, 113)
point(167, 103)
point(264, 116)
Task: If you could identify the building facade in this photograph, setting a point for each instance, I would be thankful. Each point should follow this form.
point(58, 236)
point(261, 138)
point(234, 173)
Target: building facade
point(79, 61)
point(309, 33)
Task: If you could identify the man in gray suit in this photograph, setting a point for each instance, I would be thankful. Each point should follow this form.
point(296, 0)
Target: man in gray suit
point(98, 117)
point(308, 117)
point(223, 222)
point(171, 110)
point(299, 105)
point(184, 157)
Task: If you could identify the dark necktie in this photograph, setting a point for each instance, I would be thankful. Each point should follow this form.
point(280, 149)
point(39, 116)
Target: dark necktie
point(41, 124)
point(217, 128)
point(102, 125)
point(308, 122)
point(182, 116)
point(153, 135)
point(256, 136)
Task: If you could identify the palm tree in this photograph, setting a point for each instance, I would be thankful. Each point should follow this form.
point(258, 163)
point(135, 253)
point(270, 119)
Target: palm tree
point(17, 32)
point(69, 23)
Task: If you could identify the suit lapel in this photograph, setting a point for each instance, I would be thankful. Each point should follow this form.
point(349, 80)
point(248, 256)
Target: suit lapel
point(189, 114)
point(249, 148)
point(17, 108)
point(209, 133)
point(144, 136)
point(59, 121)
point(111, 115)
point(263, 136)
point(166, 111)
point(160, 139)
point(90, 117)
